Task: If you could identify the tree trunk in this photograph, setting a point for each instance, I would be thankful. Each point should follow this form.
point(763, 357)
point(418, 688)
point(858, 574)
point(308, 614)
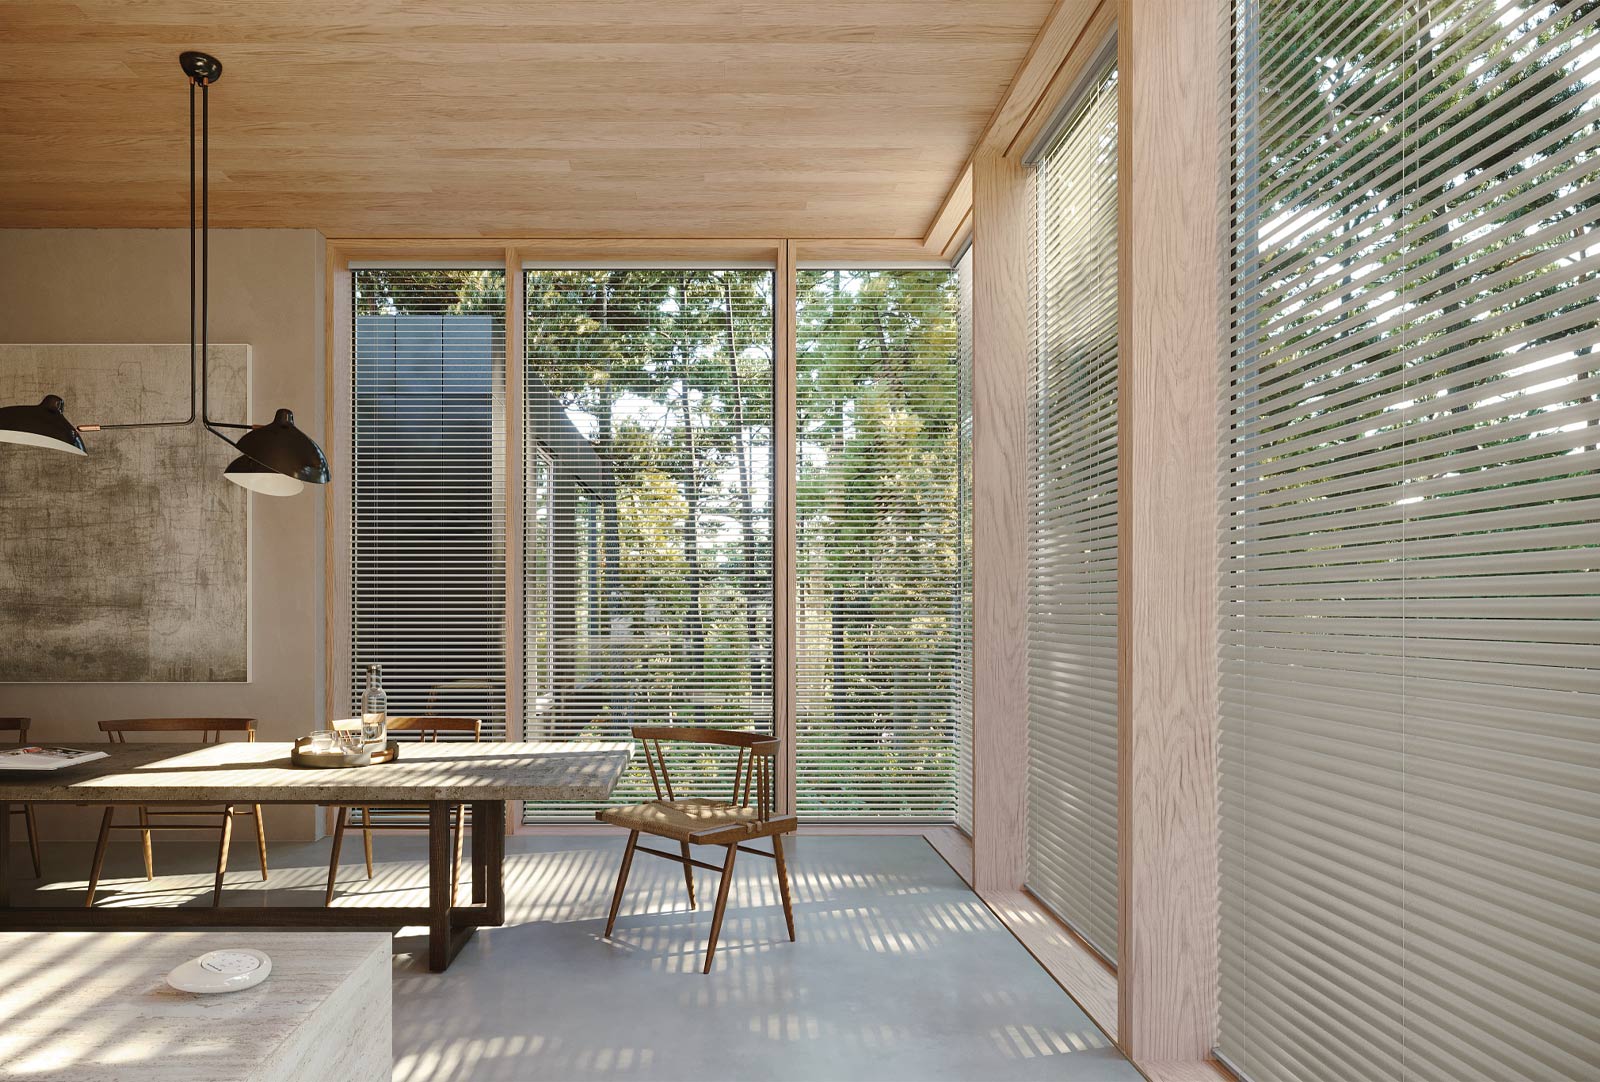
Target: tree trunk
point(747, 501)
point(694, 618)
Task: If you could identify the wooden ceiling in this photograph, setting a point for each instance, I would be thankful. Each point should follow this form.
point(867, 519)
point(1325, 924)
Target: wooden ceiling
point(533, 118)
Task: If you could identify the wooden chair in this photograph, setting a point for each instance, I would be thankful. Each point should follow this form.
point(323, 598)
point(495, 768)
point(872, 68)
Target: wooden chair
point(697, 821)
point(210, 730)
point(20, 727)
point(428, 729)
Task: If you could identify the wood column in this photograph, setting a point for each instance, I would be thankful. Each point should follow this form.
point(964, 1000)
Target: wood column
point(784, 466)
point(1173, 86)
point(1001, 337)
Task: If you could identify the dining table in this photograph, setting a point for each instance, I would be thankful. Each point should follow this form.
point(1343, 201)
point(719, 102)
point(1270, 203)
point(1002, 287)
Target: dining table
point(434, 776)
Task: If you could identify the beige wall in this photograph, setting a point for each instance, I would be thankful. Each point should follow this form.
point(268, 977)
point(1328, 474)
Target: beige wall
point(132, 285)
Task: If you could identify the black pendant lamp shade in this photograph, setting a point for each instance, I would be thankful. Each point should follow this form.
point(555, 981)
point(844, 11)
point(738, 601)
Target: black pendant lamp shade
point(283, 448)
point(44, 425)
point(251, 475)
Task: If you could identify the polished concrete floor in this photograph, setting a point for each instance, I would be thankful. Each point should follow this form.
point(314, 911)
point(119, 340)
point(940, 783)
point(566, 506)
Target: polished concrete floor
point(900, 972)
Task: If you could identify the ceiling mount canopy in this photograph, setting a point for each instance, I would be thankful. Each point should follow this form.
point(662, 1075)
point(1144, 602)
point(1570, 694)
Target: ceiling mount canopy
point(276, 459)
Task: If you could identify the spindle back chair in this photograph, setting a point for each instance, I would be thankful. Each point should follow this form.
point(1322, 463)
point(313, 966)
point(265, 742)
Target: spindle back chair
point(749, 814)
point(20, 727)
point(210, 731)
point(428, 730)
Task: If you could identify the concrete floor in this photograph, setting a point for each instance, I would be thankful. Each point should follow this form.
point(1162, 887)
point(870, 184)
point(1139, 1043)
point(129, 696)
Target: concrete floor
point(900, 972)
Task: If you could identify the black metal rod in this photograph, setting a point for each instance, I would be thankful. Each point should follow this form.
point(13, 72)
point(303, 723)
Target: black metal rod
point(189, 420)
point(205, 266)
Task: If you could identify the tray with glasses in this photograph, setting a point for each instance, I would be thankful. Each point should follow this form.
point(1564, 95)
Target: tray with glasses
point(339, 750)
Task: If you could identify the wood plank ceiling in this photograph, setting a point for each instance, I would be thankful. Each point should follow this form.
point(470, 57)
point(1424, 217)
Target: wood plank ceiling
point(620, 118)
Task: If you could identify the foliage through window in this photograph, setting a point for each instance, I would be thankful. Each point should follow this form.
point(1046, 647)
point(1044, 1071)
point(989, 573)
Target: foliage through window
point(881, 636)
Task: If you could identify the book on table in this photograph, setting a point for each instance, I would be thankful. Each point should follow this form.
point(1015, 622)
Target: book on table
point(37, 758)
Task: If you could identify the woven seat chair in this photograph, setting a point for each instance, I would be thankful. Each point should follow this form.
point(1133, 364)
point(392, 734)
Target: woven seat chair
point(210, 730)
point(427, 730)
point(20, 727)
point(699, 821)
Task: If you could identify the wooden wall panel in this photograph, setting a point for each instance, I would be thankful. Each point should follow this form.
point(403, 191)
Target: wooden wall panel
point(336, 443)
point(1173, 82)
point(1001, 337)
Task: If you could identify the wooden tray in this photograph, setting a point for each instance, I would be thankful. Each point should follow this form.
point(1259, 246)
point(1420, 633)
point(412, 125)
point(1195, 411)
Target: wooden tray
point(339, 759)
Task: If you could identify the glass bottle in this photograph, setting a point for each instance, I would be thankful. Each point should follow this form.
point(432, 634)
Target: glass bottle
point(375, 709)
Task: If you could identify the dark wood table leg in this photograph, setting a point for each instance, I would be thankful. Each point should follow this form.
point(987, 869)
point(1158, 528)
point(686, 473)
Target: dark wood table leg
point(480, 852)
point(495, 858)
point(5, 854)
point(438, 886)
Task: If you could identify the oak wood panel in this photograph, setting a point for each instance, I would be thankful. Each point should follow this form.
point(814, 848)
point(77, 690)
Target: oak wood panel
point(1172, 61)
point(1042, 82)
point(954, 847)
point(1001, 338)
point(1087, 48)
point(336, 501)
point(834, 118)
point(952, 223)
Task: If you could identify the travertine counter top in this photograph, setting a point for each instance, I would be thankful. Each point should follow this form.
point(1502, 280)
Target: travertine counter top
point(95, 1007)
point(260, 773)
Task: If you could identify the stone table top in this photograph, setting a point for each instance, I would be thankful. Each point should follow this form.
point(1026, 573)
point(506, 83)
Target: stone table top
point(240, 772)
point(96, 1007)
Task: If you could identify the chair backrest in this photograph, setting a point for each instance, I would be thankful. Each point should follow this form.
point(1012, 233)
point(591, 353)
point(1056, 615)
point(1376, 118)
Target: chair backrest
point(753, 769)
point(18, 726)
point(430, 728)
point(210, 729)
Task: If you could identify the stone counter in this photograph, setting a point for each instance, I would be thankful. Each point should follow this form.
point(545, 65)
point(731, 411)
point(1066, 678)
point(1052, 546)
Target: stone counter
point(95, 1007)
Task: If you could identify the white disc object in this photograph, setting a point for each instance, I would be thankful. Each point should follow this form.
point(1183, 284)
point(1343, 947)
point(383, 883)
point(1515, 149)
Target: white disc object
point(231, 970)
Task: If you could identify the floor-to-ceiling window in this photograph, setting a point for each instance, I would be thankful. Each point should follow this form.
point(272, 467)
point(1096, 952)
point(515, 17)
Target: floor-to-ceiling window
point(1073, 522)
point(880, 554)
point(1410, 752)
point(645, 410)
point(648, 399)
point(427, 549)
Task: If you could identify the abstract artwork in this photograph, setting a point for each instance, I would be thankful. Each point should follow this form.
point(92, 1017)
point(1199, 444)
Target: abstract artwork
point(131, 564)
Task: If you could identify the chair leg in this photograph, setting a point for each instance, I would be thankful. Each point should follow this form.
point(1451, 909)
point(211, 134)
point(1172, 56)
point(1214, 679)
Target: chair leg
point(783, 883)
point(149, 855)
point(222, 854)
point(333, 862)
point(366, 837)
point(688, 874)
point(261, 841)
point(32, 823)
point(622, 881)
point(722, 904)
point(455, 859)
point(99, 856)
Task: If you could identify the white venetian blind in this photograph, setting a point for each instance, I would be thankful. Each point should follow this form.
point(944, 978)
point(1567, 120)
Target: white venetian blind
point(647, 557)
point(1072, 543)
point(427, 548)
point(881, 639)
point(1410, 729)
point(964, 701)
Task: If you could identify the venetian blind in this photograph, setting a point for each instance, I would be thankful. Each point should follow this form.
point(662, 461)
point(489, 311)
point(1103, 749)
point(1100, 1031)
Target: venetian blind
point(1072, 550)
point(1410, 751)
point(880, 642)
point(647, 544)
point(964, 701)
point(427, 548)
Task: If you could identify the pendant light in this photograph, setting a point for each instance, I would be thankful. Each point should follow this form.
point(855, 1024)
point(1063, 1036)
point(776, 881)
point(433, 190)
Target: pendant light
point(44, 425)
point(275, 459)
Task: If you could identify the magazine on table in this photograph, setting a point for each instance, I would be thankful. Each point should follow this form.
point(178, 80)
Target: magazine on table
point(38, 758)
